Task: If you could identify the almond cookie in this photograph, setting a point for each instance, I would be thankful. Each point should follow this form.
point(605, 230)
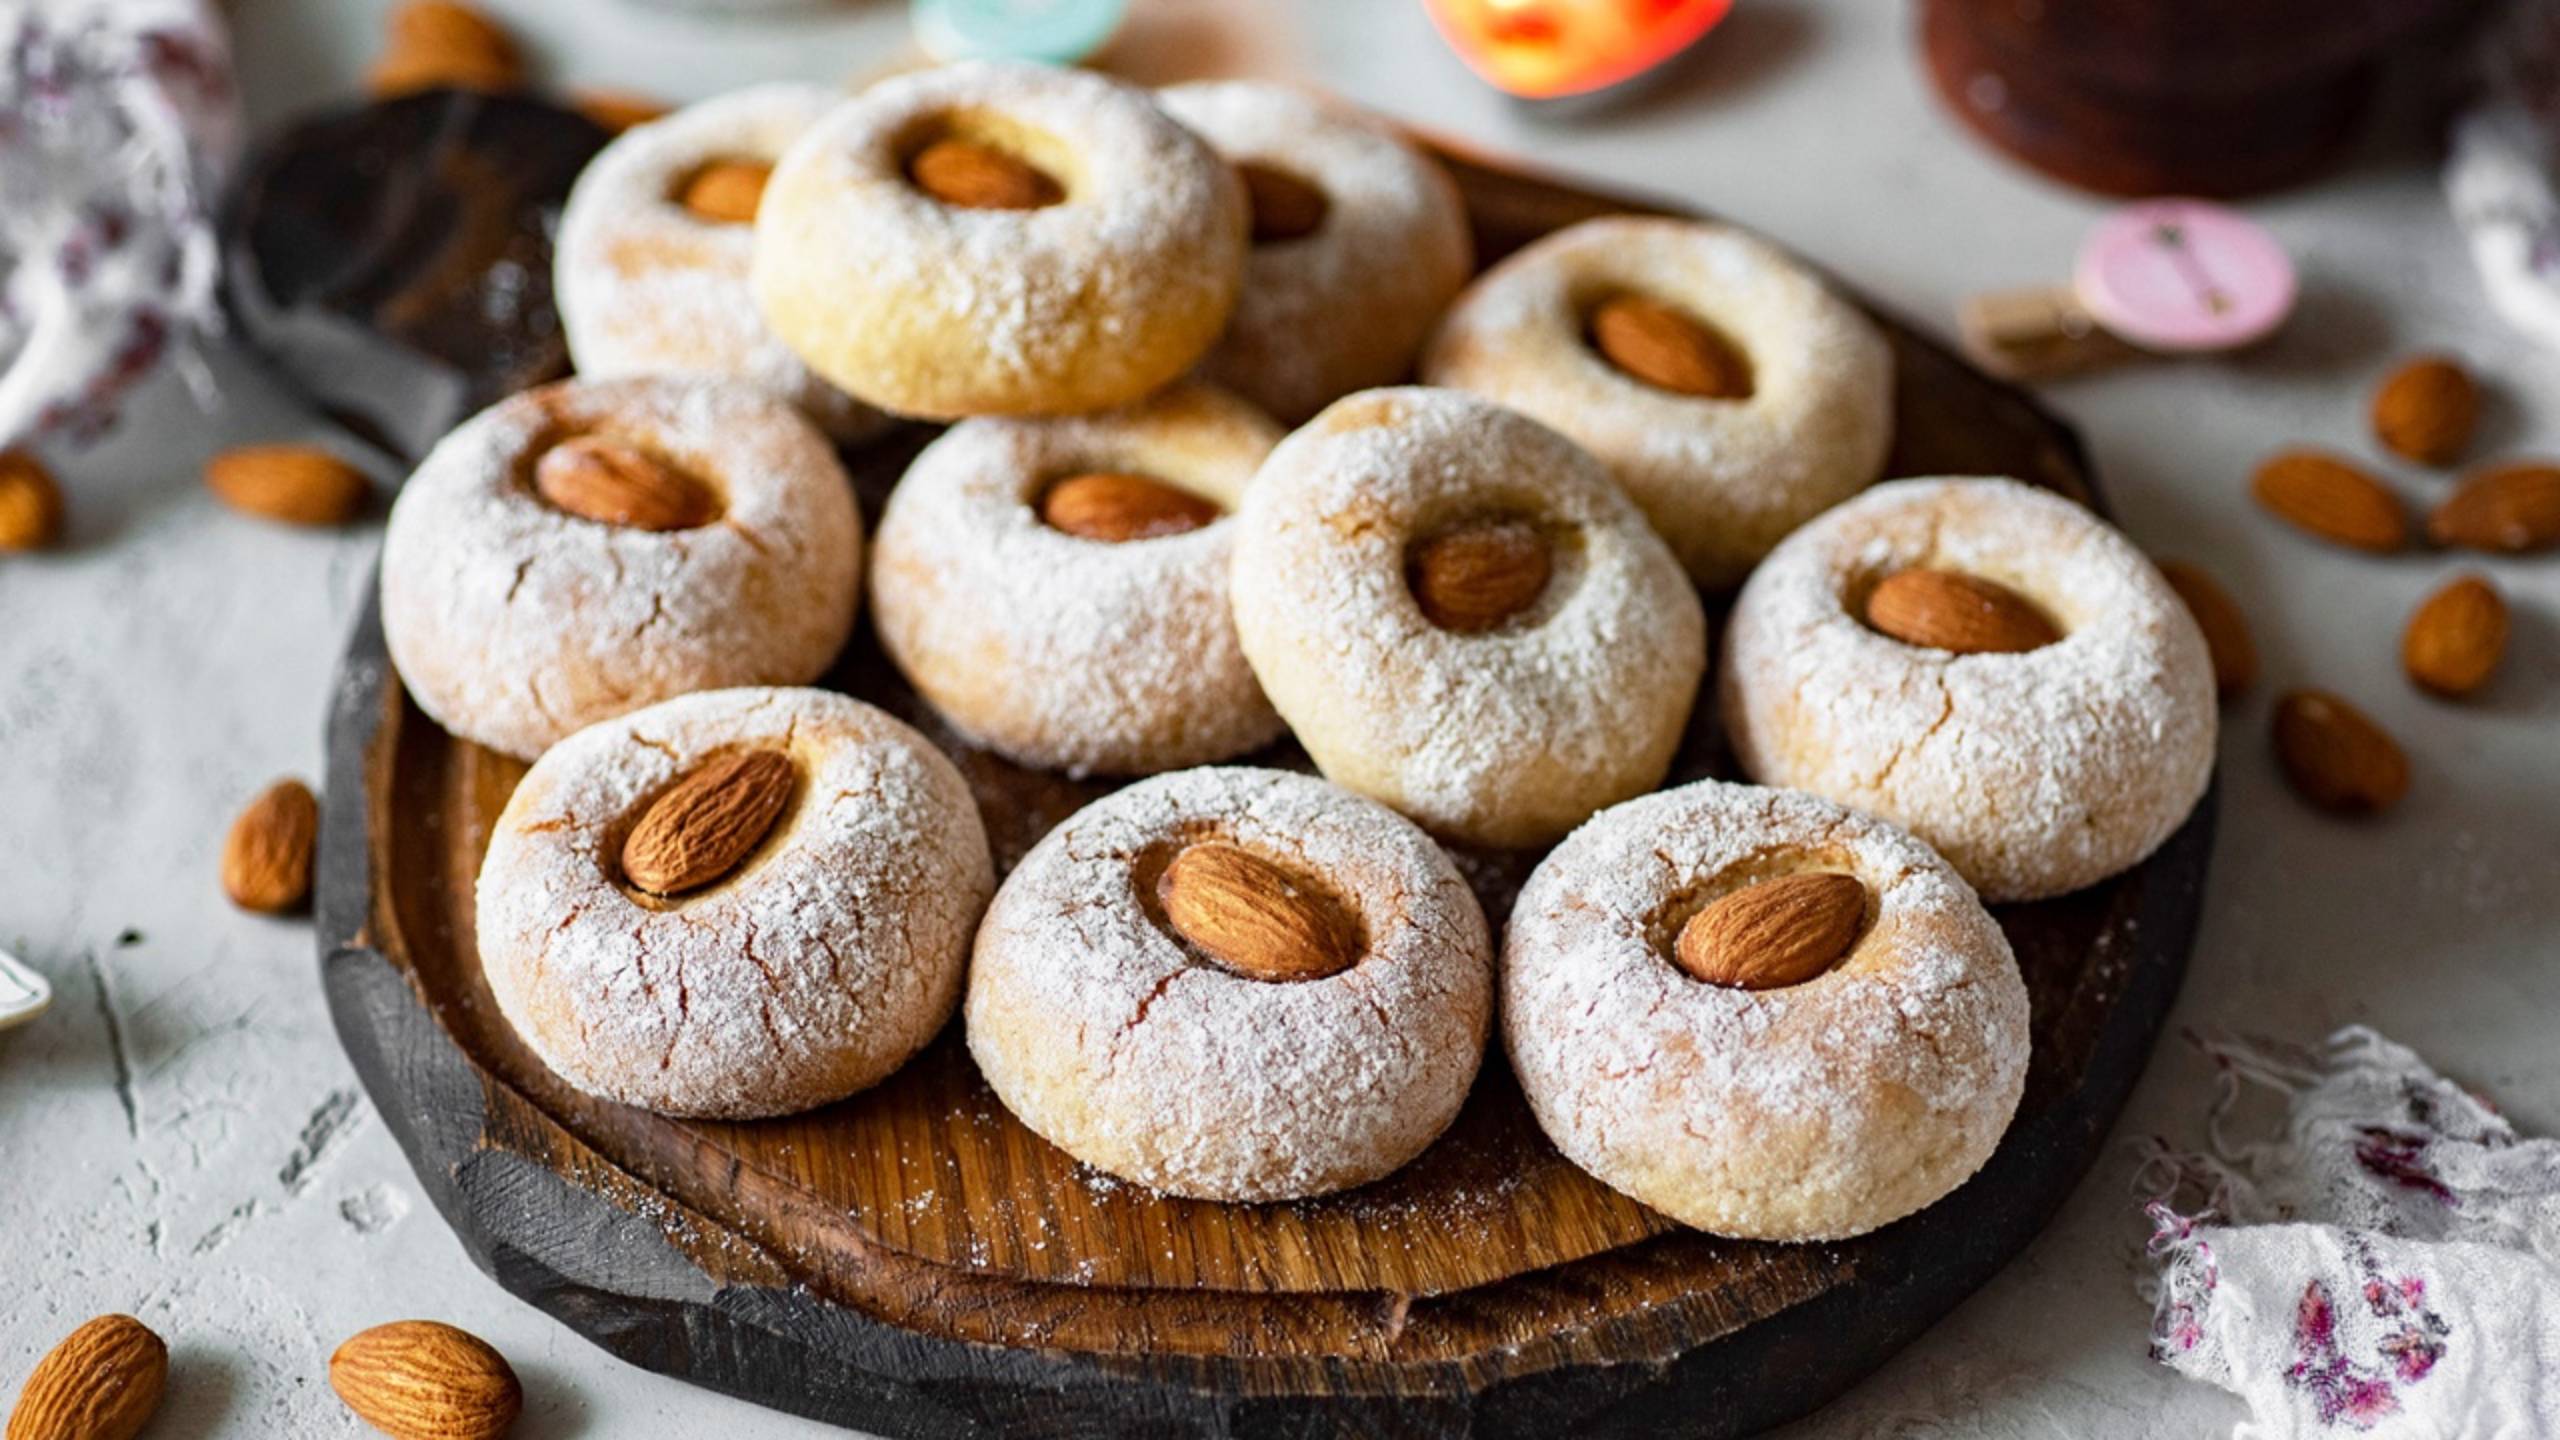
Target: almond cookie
point(1461, 616)
point(651, 264)
point(1058, 588)
point(578, 551)
point(1359, 241)
point(1984, 663)
point(1233, 984)
point(1862, 1081)
point(736, 904)
point(1733, 393)
point(999, 238)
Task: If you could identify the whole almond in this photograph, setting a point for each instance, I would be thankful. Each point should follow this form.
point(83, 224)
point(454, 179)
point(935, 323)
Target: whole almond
point(1113, 507)
point(709, 822)
point(1666, 349)
point(2336, 757)
point(421, 1380)
point(1950, 610)
point(1284, 206)
point(443, 43)
point(616, 111)
point(30, 502)
point(726, 192)
point(2456, 637)
point(981, 177)
point(1480, 576)
point(101, 1383)
point(1254, 917)
point(2325, 496)
point(267, 857)
point(2426, 409)
point(1775, 933)
point(2506, 508)
point(2226, 630)
point(297, 484)
point(614, 482)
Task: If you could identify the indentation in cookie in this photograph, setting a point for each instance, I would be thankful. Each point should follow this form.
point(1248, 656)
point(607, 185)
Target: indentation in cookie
point(1961, 613)
point(1668, 348)
point(980, 160)
point(1481, 574)
point(724, 192)
point(1116, 507)
point(614, 481)
point(708, 825)
point(1284, 205)
point(1247, 912)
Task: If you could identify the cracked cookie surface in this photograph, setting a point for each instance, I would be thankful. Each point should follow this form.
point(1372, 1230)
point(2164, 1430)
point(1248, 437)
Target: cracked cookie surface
point(812, 971)
point(1807, 1112)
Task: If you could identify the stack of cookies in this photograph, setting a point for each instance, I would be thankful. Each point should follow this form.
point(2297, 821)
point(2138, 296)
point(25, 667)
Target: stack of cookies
point(1188, 503)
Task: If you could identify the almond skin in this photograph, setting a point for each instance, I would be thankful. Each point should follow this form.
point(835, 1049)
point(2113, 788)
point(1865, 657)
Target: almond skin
point(1950, 610)
point(30, 503)
point(1479, 577)
point(1115, 508)
point(709, 822)
point(1255, 918)
point(1775, 933)
point(2226, 630)
point(2456, 638)
point(421, 1380)
point(1666, 349)
point(981, 177)
point(267, 857)
point(2325, 496)
point(297, 484)
point(726, 192)
point(101, 1383)
point(2426, 410)
point(2507, 509)
point(614, 482)
point(2336, 757)
point(1284, 206)
point(436, 44)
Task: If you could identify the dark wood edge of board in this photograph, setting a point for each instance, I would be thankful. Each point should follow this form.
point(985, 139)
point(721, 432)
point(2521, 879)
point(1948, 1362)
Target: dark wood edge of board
point(612, 1259)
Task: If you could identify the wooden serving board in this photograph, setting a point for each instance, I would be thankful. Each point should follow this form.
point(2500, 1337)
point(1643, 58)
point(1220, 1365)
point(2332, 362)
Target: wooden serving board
point(915, 1263)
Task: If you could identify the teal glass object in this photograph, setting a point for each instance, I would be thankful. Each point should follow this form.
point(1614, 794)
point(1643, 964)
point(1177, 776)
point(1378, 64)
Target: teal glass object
point(1058, 32)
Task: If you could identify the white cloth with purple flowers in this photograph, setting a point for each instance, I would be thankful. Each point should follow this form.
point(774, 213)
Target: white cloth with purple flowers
point(117, 123)
point(2387, 1263)
point(2502, 175)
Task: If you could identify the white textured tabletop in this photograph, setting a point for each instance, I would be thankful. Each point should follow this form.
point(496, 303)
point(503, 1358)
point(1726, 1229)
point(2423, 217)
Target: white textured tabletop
point(181, 1138)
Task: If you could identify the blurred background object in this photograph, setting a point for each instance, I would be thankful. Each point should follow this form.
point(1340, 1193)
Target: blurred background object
point(2503, 176)
point(1548, 49)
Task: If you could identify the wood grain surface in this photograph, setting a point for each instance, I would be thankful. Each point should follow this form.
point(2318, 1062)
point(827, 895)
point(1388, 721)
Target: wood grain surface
point(914, 1262)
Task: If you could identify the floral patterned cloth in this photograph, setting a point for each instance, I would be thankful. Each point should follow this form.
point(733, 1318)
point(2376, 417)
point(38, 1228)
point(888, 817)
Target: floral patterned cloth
point(2503, 173)
point(117, 123)
point(2386, 1263)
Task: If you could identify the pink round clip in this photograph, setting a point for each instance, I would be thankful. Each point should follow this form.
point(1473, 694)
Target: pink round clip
point(2184, 276)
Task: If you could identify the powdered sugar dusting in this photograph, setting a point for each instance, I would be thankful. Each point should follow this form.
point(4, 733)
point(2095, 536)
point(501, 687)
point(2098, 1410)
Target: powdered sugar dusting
point(812, 972)
point(1809, 1112)
point(1723, 480)
point(647, 287)
point(2033, 774)
point(514, 624)
point(1064, 652)
point(1106, 1036)
point(1511, 736)
point(1347, 307)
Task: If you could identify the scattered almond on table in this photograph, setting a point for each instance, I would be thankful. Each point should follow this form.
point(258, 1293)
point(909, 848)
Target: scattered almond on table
point(2508, 509)
point(2456, 637)
point(438, 44)
point(2336, 757)
point(2226, 630)
point(423, 1380)
point(2333, 499)
point(30, 503)
point(267, 857)
point(615, 111)
point(101, 1383)
point(2426, 410)
point(297, 484)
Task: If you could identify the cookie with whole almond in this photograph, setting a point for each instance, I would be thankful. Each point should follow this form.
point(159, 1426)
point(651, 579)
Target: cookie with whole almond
point(795, 874)
point(588, 548)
